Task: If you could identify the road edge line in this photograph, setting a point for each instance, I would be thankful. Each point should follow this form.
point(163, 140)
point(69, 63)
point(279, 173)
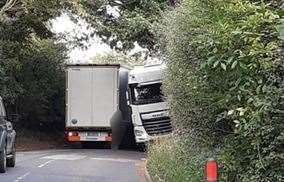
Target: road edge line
point(147, 175)
point(22, 177)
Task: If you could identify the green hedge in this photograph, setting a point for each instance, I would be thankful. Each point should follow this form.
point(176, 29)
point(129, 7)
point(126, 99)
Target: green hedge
point(173, 160)
point(224, 84)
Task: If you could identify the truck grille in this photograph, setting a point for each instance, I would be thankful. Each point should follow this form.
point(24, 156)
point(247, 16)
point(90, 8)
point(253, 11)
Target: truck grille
point(157, 126)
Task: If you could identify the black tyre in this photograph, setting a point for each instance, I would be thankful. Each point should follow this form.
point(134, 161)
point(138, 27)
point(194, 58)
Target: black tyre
point(12, 160)
point(3, 161)
point(108, 145)
point(142, 147)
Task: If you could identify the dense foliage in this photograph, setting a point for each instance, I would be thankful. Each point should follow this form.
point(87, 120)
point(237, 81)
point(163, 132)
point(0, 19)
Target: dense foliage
point(117, 58)
point(282, 29)
point(121, 23)
point(31, 64)
point(224, 80)
point(224, 84)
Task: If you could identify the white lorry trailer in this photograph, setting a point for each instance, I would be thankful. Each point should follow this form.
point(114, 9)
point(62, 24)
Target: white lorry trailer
point(150, 112)
point(92, 100)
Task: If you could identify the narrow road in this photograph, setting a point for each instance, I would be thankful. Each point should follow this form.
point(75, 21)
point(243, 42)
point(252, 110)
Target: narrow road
point(77, 165)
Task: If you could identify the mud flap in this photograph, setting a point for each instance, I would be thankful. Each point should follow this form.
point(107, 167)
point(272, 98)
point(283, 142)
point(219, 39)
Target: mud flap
point(122, 133)
point(115, 121)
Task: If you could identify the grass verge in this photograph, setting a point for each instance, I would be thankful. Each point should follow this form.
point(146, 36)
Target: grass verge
point(176, 160)
point(33, 140)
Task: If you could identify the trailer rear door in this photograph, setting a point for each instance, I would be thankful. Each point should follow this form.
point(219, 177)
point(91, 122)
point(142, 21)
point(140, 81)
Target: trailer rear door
point(79, 92)
point(92, 95)
point(105, 95)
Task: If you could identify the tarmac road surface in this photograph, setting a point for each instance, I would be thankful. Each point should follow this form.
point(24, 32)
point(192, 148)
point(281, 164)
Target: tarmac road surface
point(77, 165)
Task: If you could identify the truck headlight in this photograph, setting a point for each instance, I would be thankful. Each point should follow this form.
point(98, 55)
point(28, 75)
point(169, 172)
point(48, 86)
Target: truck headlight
point(138, 132)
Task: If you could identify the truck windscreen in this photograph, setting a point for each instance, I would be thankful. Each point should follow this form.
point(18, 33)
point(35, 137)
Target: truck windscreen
point(146, 94)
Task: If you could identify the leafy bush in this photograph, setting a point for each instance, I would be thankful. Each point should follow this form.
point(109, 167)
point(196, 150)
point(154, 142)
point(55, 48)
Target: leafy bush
point(31, 64)
point(171, 159)
point(117, 58)
point(225, 82)
point(33, 83)
point(282, 29)
point(130, 21)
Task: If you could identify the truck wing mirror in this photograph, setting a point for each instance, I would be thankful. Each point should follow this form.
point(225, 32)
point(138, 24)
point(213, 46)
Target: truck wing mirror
point(127, 98)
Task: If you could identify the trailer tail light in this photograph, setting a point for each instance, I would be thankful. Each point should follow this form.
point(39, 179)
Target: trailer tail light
point(73, 133)
point(73, 136)
point(211, 171)
point(108, 138)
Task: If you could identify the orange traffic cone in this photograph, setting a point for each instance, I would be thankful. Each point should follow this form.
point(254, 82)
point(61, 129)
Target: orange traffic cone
point(211, 171)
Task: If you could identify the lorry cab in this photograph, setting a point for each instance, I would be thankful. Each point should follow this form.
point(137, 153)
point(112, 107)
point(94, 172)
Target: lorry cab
point(150, 111)
point(7, 141)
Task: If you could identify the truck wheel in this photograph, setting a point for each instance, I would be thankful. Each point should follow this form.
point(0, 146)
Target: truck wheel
point(12, 160)
point(3, 161)
point(142, 147)
point(108, 145)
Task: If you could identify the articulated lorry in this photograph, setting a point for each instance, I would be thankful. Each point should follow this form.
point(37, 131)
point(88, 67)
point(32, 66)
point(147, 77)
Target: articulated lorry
point(113, 104)
point(150, 111)
point(92, 97)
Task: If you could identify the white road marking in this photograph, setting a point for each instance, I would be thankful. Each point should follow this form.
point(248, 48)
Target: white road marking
point(70, 157)
point(22, 177)
point(114, 160)
point(44, 164)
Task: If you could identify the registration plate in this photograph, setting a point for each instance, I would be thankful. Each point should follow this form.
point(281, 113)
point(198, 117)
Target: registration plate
point(93, 134)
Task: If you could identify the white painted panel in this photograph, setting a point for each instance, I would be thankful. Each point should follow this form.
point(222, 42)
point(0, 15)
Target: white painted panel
point(92, 95)
point(70, 157)
point(79, 96)
point(105, 95)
